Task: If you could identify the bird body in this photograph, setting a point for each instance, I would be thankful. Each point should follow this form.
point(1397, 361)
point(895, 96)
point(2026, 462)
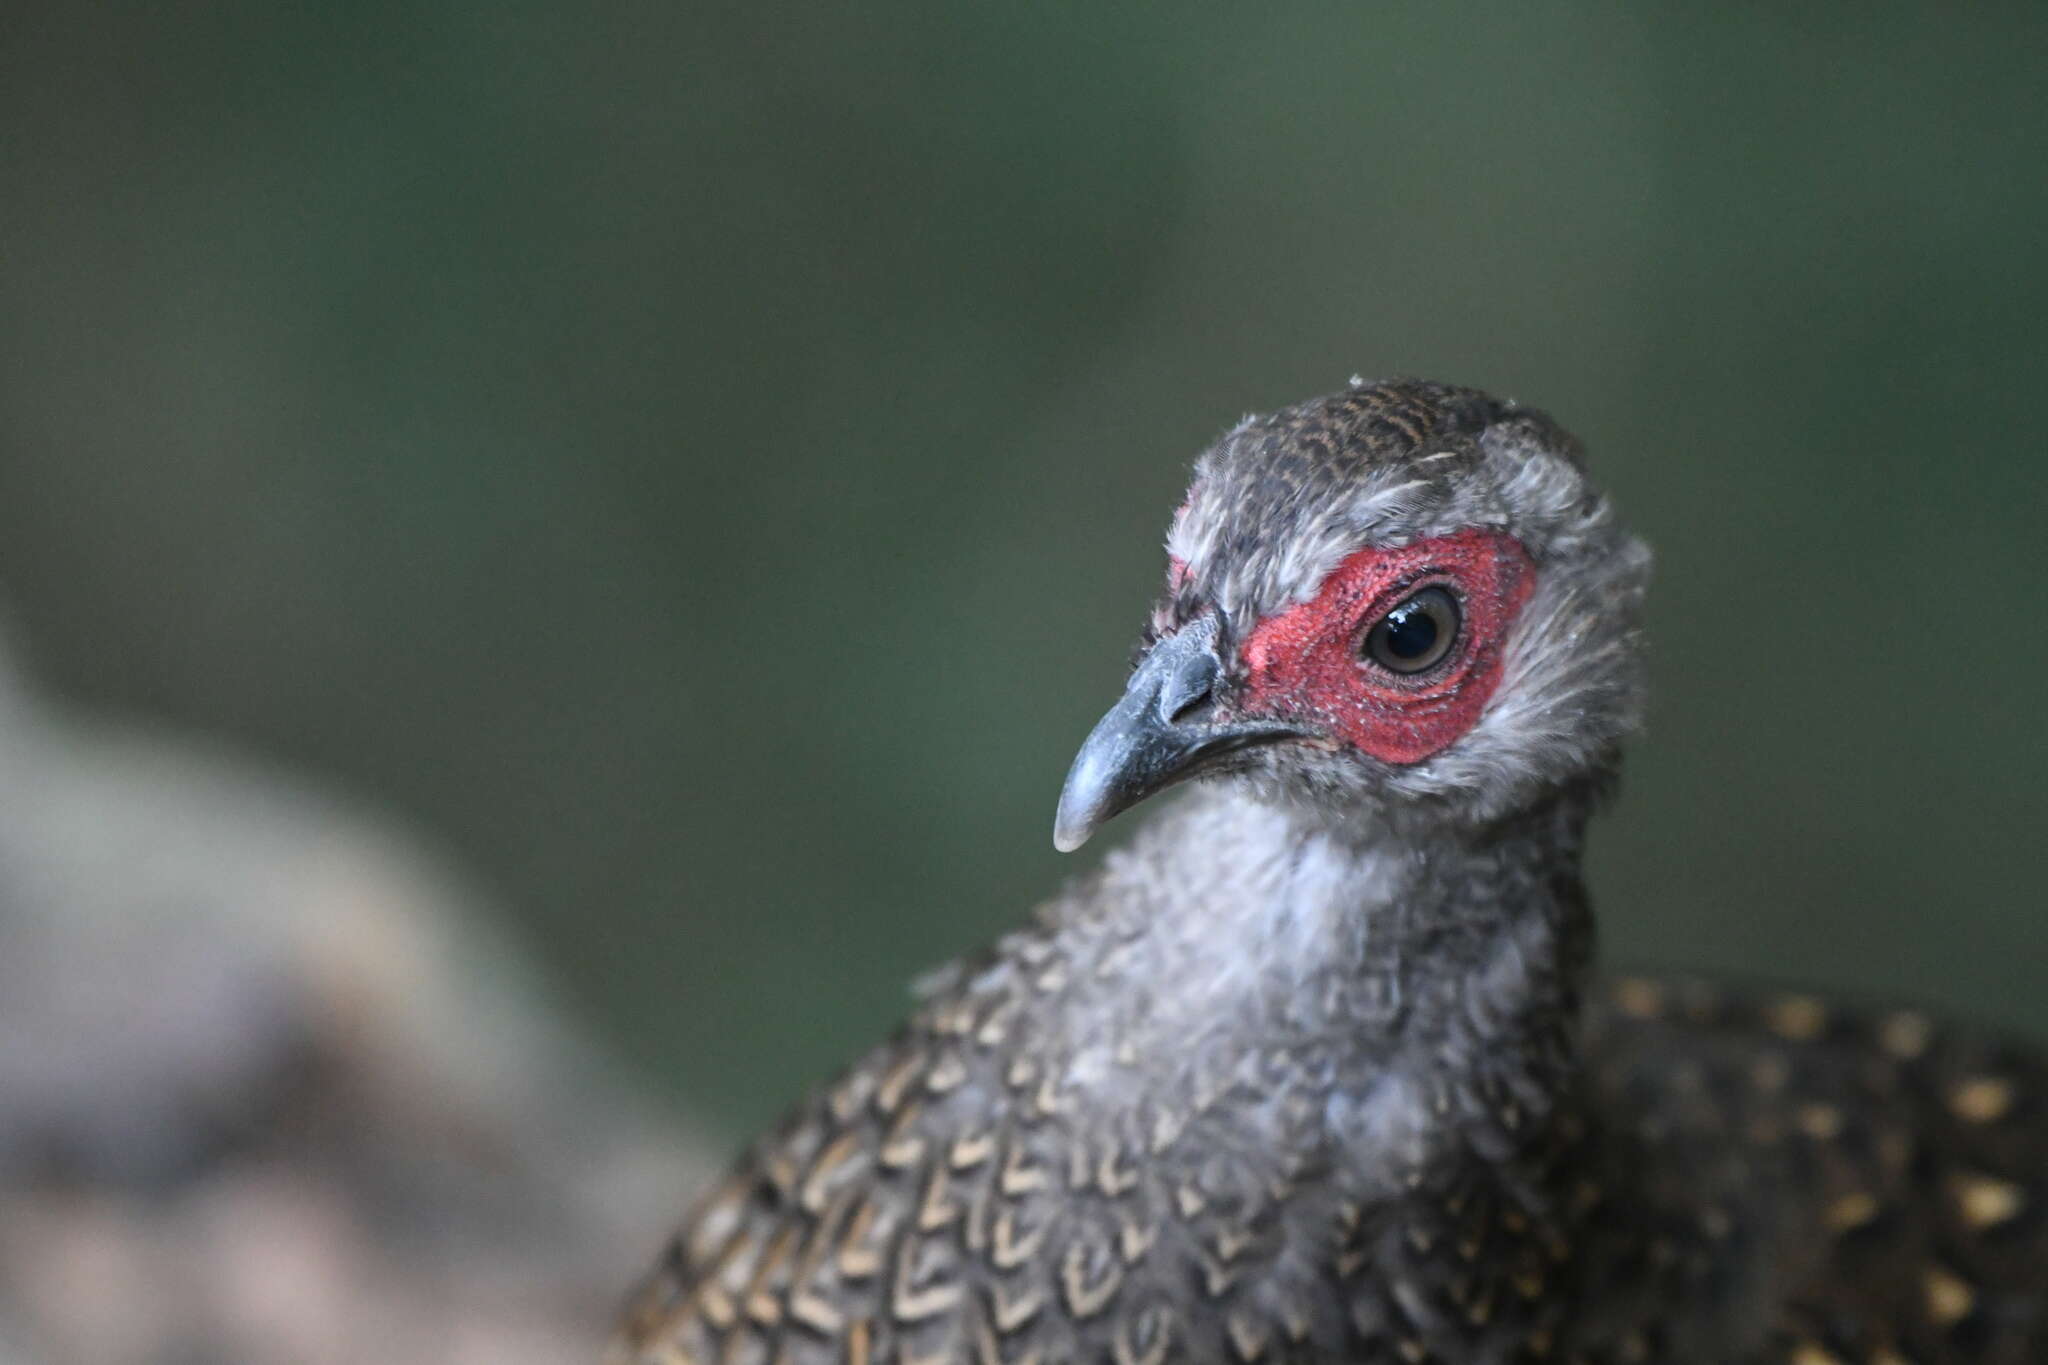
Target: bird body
point(1316, 1069)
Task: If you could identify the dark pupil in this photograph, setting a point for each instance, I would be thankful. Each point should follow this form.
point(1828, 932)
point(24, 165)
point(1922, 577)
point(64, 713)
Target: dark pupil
point(1411, 632)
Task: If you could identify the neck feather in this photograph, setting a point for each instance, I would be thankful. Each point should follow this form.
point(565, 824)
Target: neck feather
point(1419, 985)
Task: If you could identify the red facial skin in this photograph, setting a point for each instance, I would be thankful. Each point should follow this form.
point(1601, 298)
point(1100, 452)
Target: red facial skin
point(1308, 662)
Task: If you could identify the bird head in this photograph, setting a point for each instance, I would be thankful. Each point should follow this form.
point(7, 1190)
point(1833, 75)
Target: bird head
point(1403, 596)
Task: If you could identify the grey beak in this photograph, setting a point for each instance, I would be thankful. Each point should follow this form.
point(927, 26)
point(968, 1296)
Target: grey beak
point(1156, 735)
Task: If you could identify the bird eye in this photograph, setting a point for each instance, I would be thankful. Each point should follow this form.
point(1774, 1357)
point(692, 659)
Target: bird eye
point(1416, 634)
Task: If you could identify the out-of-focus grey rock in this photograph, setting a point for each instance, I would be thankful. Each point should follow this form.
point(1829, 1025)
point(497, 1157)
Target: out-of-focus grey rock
point(270, 1091)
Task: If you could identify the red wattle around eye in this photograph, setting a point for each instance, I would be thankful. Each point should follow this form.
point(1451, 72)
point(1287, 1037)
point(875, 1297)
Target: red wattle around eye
point(1304, 662)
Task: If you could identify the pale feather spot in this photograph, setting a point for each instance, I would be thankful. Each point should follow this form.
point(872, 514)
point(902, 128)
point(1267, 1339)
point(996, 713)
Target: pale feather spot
point(1905, 1034)
point(1851, 1211)
point(1986, 1201)
point(1813, 1353)
point(1821, 1122)
point(1981, 1099)
point(1949, 1299)
point(1799, 1018)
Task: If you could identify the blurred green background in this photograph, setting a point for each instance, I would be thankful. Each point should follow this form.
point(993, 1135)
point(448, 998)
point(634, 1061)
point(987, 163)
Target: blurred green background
point(705, 465)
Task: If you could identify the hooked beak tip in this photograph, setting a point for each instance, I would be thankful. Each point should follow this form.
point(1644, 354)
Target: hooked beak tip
point(1085, 801)
point(1149, 741)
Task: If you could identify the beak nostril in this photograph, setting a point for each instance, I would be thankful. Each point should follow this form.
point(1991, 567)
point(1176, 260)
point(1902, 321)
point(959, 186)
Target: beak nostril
point(1187, 688)
point(1188, 709)
point(1188, 683)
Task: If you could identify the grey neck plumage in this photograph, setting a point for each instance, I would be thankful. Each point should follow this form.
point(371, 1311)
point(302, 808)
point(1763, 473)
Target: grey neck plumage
point(1416, 987)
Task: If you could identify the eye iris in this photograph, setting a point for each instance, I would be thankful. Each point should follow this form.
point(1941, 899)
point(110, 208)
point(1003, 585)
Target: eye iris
point(1416, 634)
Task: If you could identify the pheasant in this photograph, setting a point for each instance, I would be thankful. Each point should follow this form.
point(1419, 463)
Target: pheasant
point(1317, 1068)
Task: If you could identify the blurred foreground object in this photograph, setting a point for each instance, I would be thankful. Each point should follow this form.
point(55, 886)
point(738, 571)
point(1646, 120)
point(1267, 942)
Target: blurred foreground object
point(269, 1092)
